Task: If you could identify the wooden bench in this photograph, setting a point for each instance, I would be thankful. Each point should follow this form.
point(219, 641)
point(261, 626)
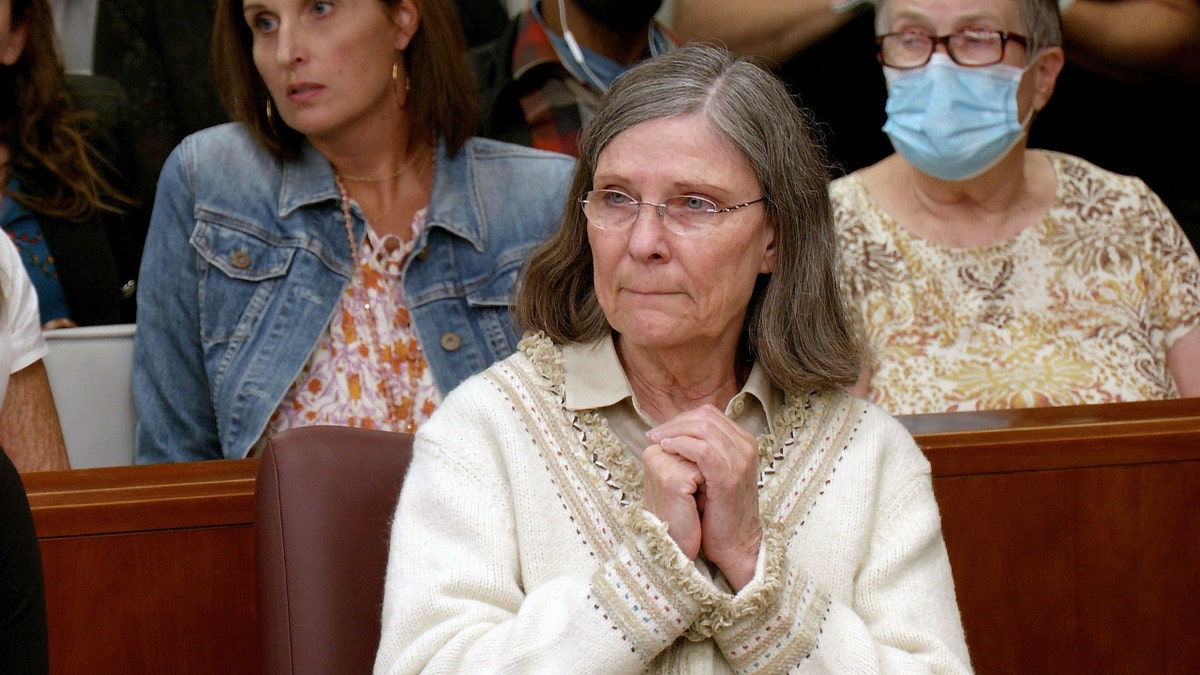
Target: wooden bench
point(149, 569)
point(1074, 534)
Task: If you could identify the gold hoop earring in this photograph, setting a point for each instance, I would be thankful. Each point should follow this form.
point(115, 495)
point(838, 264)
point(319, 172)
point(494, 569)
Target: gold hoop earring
point(270, 111)
point(401, 99)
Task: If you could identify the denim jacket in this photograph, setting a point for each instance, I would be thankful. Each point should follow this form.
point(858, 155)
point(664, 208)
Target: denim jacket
point(247, 258)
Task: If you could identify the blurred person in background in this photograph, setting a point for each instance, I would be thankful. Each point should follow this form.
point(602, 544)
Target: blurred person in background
point(63, 175)
point(160, 53)
point(539, 83)
point(345, 253)
point(989, 275)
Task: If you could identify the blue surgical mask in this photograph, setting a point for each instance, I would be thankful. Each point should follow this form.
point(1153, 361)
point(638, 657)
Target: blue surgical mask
point(952, 121)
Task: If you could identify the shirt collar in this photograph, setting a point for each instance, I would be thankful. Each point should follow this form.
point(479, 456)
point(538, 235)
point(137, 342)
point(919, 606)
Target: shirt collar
point(593, 375)
point(532, 46)
point(594, 378)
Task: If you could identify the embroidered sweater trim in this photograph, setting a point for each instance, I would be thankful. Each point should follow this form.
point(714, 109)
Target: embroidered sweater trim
point(648, 589)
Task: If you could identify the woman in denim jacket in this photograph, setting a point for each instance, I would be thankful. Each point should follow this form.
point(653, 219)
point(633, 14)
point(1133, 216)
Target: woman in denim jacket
point(344, 253)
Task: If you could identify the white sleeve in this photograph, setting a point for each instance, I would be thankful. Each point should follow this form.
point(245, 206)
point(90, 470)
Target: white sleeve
point(904, 618)
point(19, 322)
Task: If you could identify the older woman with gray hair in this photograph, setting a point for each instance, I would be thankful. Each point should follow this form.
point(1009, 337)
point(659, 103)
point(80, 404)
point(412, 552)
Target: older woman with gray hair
point(669, 476)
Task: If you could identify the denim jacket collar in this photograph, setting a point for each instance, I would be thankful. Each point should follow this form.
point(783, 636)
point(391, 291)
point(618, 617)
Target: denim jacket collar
point(449, 211)
point(309, 180)
point(306, 181)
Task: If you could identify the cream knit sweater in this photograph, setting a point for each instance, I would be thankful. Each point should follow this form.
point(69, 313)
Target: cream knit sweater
point(519, 546)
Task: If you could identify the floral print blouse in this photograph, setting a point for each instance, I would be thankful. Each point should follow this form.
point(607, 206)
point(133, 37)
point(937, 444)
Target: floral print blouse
point(1078, 308)
point(368, 369)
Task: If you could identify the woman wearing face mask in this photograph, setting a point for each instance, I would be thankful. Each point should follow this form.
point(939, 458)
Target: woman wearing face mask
point(988, 275)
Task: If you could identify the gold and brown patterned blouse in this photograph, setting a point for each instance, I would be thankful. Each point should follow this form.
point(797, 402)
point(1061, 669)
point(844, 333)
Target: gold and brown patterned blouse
point(1079, 308)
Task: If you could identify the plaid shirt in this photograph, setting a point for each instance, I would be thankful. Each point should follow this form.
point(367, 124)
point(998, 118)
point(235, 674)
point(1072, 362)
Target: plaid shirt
point(555, 102)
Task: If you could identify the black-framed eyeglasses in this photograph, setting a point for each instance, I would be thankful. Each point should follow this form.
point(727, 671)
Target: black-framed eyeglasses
point(967, 47)
point(682, 214)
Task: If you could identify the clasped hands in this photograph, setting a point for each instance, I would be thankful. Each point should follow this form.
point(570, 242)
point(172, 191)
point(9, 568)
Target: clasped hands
point(701, 479)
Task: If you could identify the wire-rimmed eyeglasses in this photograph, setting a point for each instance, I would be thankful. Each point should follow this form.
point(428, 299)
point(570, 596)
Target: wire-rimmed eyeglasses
point(966, 47)
point(682, 214)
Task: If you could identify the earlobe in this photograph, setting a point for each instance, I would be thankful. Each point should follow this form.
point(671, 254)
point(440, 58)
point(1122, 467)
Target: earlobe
point(768, 262)
point(16, 43)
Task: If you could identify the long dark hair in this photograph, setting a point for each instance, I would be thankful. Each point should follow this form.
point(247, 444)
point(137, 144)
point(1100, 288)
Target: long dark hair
point(44, 135)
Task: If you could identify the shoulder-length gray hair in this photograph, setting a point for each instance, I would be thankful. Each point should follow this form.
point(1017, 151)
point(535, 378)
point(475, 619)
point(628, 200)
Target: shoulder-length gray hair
point(797, 324)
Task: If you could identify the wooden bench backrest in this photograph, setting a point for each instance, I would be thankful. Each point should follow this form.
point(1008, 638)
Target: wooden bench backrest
point(1074, 534)
point(149, 569)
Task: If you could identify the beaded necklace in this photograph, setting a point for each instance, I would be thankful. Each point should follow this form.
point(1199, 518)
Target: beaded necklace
point(401, 414)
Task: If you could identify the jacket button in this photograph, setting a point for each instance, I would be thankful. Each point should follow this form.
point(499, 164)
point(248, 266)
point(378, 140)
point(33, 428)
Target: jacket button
point(424, 254)
point(129, 289)
point(451, 342)
point(240, 259)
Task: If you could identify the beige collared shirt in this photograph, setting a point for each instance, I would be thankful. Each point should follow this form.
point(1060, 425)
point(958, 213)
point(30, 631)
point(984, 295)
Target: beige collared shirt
point(596, 380)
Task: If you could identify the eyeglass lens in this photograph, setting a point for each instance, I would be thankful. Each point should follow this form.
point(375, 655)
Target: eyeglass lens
point(912, 49)
point(613, 210)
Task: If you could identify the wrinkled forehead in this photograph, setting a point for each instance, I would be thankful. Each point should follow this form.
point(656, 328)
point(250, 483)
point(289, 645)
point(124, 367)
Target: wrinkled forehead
point(686, 151)
point(949, 15)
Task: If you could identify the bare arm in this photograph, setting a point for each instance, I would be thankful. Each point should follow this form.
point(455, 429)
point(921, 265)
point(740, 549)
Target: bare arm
point(1183, 360)
point(1135, 40)
point(29, 430)
point(769, 28)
